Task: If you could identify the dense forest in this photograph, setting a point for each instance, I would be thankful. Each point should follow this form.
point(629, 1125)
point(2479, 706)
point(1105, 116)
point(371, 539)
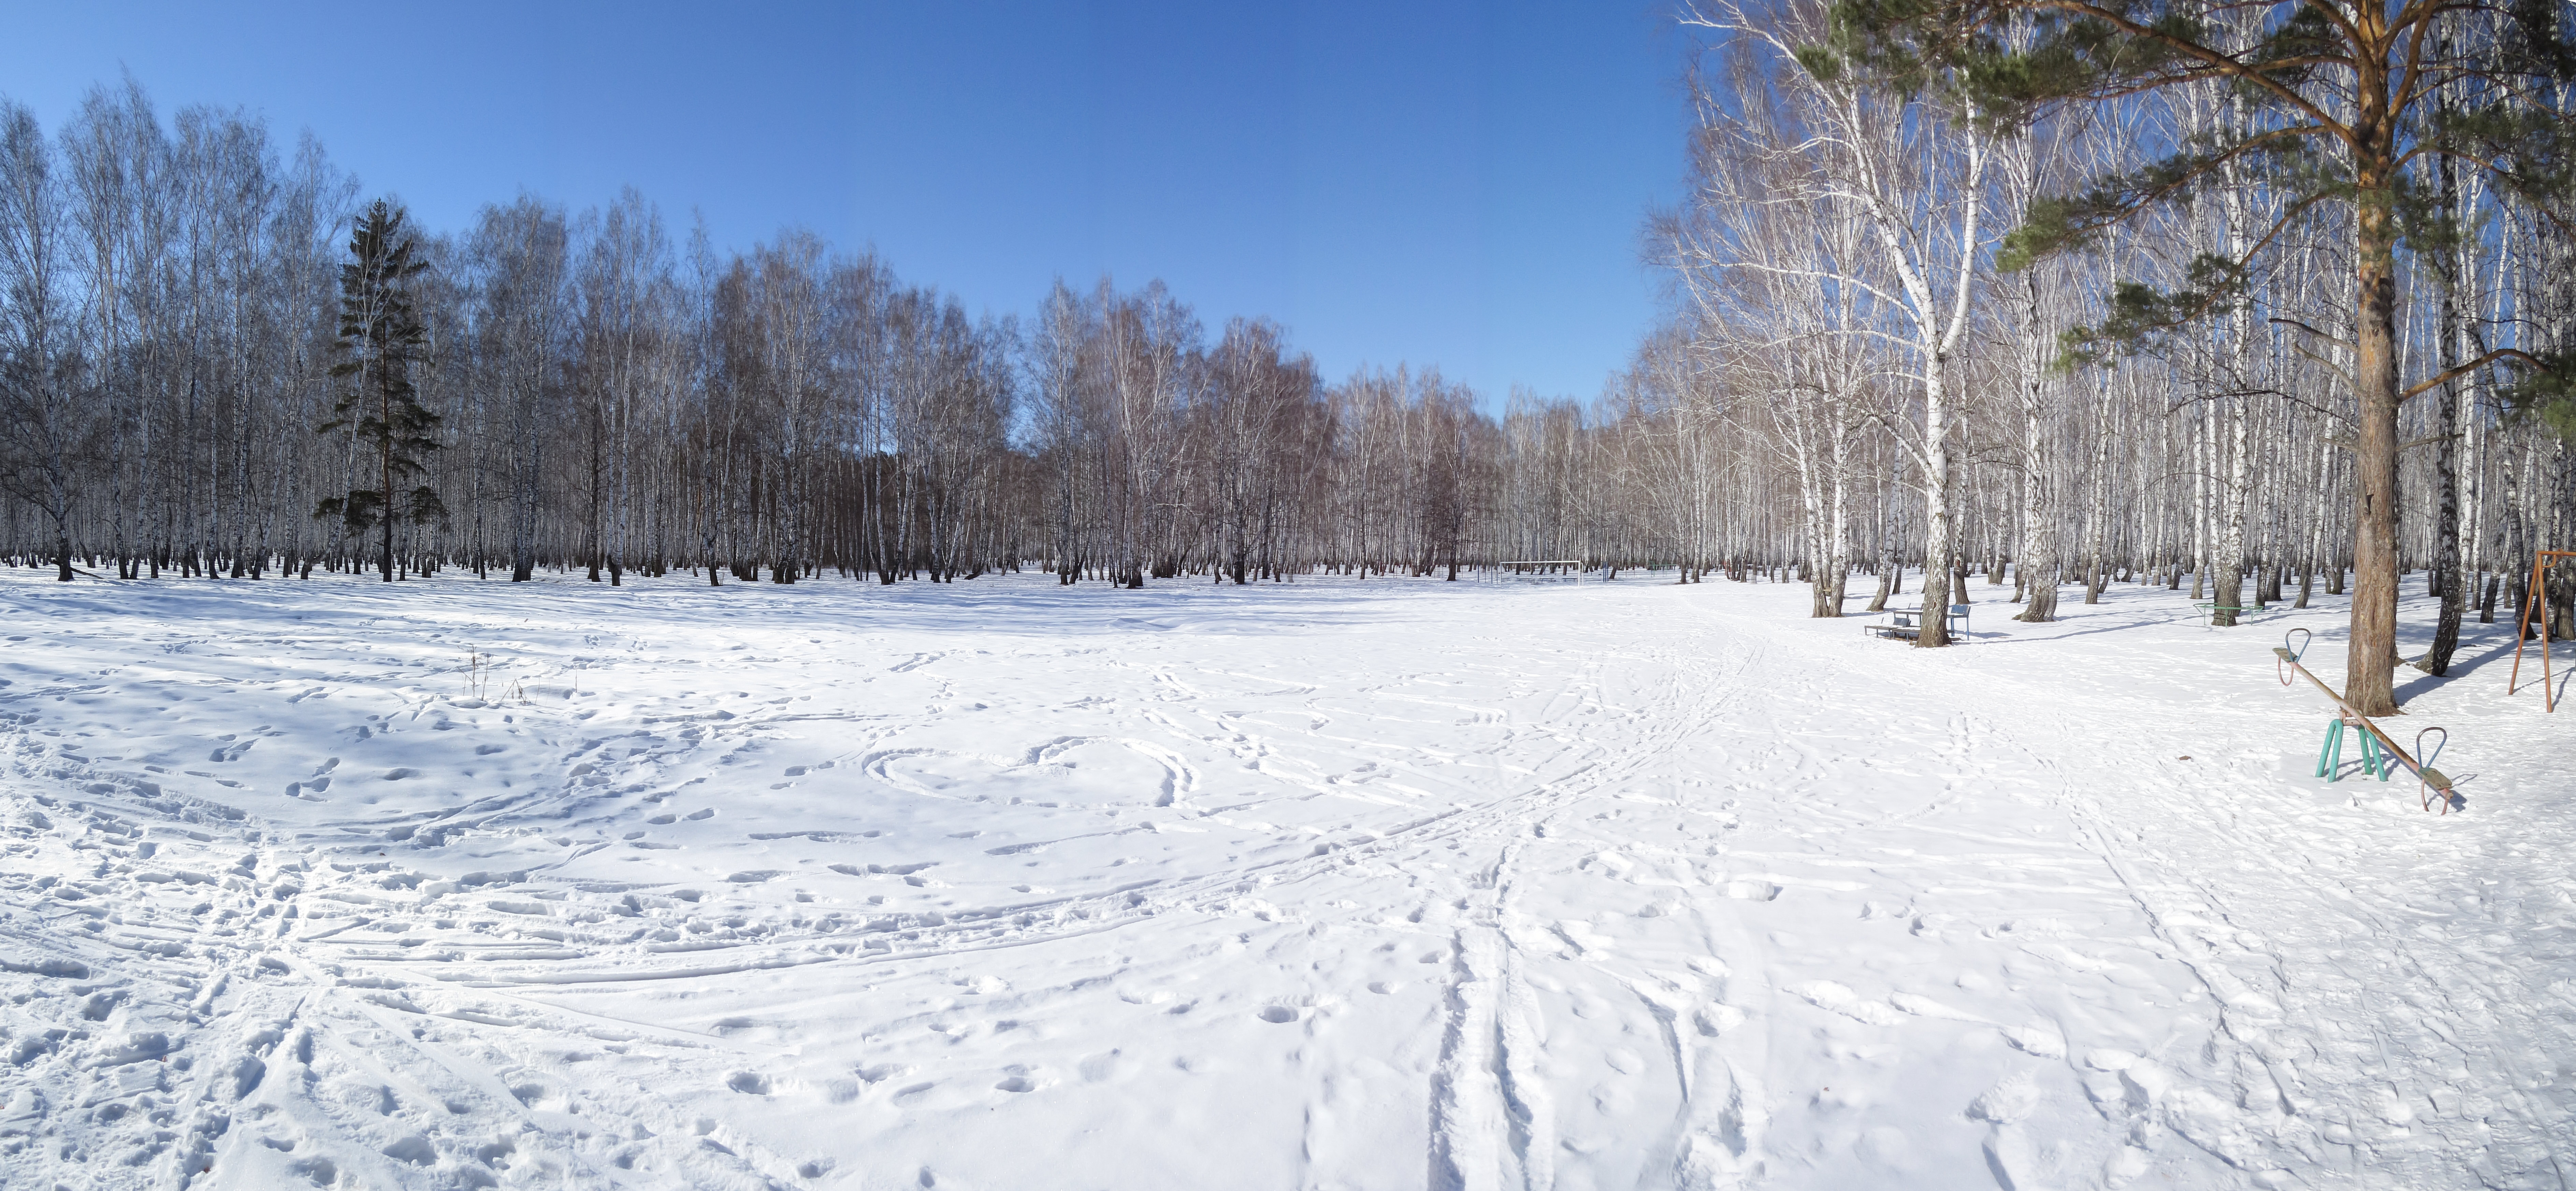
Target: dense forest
point(1965, 283)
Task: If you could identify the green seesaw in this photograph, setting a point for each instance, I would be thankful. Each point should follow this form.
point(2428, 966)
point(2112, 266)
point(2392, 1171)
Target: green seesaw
point(2378, 752)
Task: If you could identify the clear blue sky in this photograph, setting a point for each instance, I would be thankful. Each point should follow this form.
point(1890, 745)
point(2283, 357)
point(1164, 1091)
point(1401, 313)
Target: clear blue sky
point(1446, 183)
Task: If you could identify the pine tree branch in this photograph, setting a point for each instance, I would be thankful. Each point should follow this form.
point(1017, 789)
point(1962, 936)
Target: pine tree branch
point(2491, 356)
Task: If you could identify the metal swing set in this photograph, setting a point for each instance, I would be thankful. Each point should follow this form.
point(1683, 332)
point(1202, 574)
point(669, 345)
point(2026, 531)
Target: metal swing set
point(2536, 602)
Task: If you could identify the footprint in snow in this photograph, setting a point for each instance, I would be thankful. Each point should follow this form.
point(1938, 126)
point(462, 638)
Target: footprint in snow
point(2038, 1038)
point(1103, 1067)
point(414, 1149)
point(1713, 1020)
point(2109, 1060)
point(2013, 1099)
point(1923, 1006)
point(1825, 994)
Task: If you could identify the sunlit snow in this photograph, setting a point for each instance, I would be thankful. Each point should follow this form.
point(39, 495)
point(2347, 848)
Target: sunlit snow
point(1334, 884)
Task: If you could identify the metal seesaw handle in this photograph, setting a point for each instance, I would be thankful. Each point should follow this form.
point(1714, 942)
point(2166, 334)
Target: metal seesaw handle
point(2426, 776)
point(2289, 655)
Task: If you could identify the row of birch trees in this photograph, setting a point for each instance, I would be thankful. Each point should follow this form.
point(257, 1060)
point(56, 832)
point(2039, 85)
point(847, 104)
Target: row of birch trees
point(1927, 321)
point(2253, 296)
point(221, 361)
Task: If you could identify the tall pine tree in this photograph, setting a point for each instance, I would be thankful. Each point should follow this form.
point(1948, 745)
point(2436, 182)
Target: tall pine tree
point(380, 336)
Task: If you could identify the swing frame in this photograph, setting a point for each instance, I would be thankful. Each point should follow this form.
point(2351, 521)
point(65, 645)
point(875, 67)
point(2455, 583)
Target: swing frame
point(2535, 600)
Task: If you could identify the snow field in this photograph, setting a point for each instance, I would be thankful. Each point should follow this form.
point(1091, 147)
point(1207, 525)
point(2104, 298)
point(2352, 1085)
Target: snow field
point(1340, 884)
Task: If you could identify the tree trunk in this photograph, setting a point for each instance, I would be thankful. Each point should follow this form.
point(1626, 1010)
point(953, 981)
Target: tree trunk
point(2227, 561)
point(1936, 529)
point(2038, 569)
point(2446, 471)
point(2370, 670)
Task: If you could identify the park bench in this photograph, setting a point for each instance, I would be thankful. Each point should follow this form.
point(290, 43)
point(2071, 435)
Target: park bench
point(1902, 624)
point(2209, 610)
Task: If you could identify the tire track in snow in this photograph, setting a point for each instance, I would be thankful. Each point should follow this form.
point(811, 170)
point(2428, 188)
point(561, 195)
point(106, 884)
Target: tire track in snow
point(2334, 1101)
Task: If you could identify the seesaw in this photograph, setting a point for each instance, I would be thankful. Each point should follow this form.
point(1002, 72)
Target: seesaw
point(2377, 750)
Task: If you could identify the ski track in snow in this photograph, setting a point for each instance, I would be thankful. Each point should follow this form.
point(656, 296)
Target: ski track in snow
point(1340, 884)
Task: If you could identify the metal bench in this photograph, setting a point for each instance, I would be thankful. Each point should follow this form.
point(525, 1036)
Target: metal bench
point(2209, 610)
point(1899, 626)
point(1903, 624)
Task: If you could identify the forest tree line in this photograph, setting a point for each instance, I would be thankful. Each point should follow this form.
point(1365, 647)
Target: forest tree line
point(2063, 339)
point(598, 391)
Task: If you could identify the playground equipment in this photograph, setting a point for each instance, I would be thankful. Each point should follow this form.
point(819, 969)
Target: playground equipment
point(1905, 624)
point(2209, 610)
point(1562, 570)
point(2377, 750)
point(2532, 603)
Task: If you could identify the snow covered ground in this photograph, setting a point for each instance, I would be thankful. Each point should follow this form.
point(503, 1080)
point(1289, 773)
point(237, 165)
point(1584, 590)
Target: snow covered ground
point(1342, 884)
